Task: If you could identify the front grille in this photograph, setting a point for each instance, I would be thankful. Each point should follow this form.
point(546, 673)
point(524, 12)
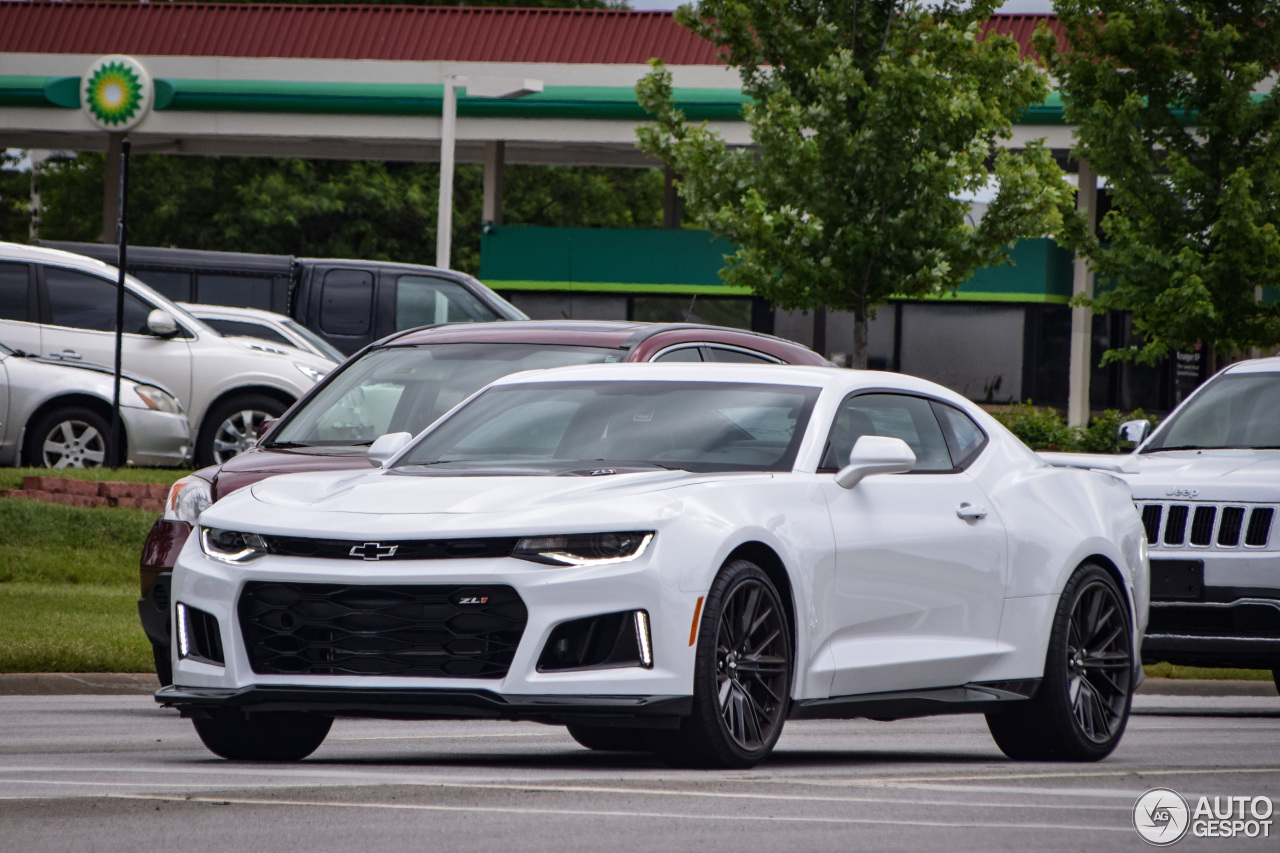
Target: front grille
point(437, 631)
point(416, 549)
point(1181, 525)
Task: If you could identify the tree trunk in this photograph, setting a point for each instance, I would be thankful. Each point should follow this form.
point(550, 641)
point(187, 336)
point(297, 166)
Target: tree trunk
point(858, 360)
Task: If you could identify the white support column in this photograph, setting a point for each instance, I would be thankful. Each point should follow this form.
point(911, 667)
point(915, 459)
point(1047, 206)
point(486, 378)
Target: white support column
point(1082, 317)
point(491, 210)
point(448, 134)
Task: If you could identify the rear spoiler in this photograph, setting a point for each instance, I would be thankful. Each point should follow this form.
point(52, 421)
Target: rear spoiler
point(1124, 464)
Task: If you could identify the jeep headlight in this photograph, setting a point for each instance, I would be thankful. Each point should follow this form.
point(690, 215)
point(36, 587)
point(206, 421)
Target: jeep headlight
point(231, 546)
point(583, 549)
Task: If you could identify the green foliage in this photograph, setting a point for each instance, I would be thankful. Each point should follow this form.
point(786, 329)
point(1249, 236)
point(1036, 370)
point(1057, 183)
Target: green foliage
point(319, 208)
point(60, 628)
point(869, 119)
point(1163, 93)
point(15, 199)
point(1045, 429)
point(52, 543)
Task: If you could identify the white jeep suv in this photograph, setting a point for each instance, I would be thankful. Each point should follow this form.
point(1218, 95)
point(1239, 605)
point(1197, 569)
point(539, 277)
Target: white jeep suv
point(1208, 489)
point(63, 306)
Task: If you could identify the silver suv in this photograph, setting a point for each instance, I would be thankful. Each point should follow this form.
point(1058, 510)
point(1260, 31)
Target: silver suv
point(62, 306)
point(1208, 489)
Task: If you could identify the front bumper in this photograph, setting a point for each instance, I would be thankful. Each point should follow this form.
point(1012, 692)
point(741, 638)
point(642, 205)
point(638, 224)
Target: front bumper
point(156, 439)
point(1226, 628)
point(417, 704)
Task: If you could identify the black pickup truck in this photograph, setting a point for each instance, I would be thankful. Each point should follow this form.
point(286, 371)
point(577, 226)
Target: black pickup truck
point(349, 303)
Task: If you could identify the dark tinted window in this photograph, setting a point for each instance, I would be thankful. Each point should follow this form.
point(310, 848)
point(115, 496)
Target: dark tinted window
point(421, 301)
point(174, 285)
point(346, 302)
point(896, 416)
point(964, 438)
point(14, 294)
point(238, 291)
point(682, 354)
point(82, 301)
point(248, 330)
point(733, 356)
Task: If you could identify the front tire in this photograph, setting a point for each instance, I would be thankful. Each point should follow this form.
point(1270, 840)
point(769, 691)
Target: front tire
point(1081, 709)
point(231, 427)
point(275, 736)
point(73, 437)
point(742, 675)
point(610, 739)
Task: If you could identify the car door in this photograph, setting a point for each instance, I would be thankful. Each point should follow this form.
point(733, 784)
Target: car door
point(920, 557)
point(80, 329)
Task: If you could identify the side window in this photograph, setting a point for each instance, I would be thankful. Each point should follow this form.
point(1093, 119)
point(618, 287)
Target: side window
point(248, 330)
point(682, 354)
point(964, 438)
point(733, 356)
point(15, 292)
point(346, 302)
point(238, 291)
point(174, 285)
point(421, 301)
point(78, 300)
point(896, 416)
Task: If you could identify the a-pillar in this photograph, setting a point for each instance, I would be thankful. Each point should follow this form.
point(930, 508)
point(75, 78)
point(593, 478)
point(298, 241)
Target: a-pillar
point(1082, 316)
point(111, 187)
point(491, 209)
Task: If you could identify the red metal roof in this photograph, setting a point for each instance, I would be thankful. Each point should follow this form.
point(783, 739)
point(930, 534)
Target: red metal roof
point(415, 33)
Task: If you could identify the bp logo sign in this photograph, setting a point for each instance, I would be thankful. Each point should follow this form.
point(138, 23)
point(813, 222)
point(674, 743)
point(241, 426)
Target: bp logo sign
point(117, 92)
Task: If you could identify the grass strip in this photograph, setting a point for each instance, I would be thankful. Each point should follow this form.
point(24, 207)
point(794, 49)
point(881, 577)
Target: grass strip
point(71, 628)
point(11, 478)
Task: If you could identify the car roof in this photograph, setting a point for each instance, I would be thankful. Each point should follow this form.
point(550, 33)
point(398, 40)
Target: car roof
point(1256, 365)
point(622, 334)
point(39, 254)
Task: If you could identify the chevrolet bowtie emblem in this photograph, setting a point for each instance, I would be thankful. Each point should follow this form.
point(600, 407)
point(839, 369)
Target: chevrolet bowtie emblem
point(373, 551)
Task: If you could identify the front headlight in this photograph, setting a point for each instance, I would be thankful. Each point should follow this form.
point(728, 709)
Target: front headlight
point(155, 398)
point(231, 546)
point(310, 372)
point(188, 497)
point(585, 549)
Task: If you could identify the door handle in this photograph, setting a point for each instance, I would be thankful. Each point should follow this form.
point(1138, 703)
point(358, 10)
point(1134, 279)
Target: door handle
point(68, 354)
point(968, 511)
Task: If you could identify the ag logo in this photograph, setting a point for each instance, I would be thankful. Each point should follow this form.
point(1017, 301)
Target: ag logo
point(117, 92)
point(1161, 816)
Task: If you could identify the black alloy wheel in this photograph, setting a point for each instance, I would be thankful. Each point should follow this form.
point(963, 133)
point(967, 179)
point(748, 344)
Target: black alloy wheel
point(742, 675)
point(1081, 708)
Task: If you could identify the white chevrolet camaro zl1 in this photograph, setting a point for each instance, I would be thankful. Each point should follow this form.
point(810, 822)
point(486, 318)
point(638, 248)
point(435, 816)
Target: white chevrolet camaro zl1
point(672, 560)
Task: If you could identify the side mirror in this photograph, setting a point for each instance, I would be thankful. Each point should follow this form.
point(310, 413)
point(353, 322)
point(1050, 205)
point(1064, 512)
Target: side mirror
point(387, 446)
point(264, 426)
point(1134, 432)
point(875, 454)
point(161, 324)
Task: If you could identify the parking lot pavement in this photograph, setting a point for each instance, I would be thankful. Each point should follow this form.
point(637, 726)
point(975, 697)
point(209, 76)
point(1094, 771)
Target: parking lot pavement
point(109, 773)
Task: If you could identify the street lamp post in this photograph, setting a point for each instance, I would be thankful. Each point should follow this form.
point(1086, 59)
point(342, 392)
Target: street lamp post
point(477, 87)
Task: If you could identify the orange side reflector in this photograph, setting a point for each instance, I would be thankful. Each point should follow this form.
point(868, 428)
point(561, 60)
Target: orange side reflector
point(693, 629)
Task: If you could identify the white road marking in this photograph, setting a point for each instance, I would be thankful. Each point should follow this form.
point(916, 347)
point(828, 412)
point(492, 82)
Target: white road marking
point(737, 818)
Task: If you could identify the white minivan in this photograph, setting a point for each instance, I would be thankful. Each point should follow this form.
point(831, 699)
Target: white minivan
point(63, 306)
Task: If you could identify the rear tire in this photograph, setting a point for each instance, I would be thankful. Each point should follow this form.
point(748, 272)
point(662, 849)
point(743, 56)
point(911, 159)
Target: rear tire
point(275, 736)
point(1080, 711)
point(607, 739)
point(741, 679)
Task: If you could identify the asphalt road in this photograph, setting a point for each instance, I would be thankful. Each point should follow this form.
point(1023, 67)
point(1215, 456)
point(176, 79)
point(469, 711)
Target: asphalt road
point(107, 773)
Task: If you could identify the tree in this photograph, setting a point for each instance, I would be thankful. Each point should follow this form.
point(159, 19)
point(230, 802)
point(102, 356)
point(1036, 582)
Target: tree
point(869, 118)
point(1164, 96)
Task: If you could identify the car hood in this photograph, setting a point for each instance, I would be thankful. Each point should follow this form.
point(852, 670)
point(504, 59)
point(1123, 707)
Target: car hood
point(259, 463)
point(414, 506)
point(1212, 475)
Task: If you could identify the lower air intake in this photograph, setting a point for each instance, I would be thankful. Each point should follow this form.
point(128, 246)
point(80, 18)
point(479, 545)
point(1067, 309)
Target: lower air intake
point(438, 631)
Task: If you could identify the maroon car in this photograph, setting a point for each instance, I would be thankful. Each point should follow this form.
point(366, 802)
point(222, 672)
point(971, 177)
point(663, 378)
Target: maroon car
point(402, 384)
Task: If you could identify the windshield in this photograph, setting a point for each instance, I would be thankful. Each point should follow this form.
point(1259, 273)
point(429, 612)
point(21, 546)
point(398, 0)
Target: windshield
point(404, 389)
point(1236, 411)
point(592, 427)
point(321, 345)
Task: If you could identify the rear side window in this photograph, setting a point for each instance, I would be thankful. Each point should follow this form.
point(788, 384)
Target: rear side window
point(15, 293)
point(346, 302)
point(78, 300)
point(682, 354)
point(733, 356)
point(964, 439)
point(421, 301)
point(238, 291)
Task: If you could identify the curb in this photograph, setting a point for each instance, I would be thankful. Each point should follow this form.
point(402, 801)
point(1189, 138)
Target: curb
point(1188, 687)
